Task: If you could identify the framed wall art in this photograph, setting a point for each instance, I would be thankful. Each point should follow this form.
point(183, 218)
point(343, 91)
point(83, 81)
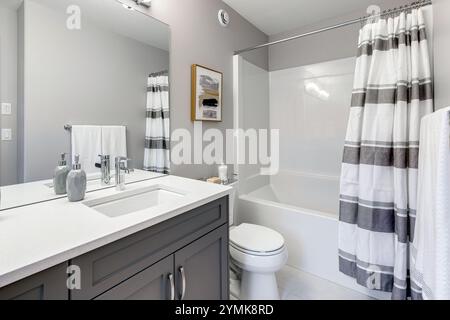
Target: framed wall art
point(207, 90)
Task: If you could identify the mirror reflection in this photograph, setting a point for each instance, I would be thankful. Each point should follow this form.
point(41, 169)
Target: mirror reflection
point(87, 83)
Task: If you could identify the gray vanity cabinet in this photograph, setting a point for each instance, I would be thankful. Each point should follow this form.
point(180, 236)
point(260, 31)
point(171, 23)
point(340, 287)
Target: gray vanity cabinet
point(196, 272)
point(202, 268)
point(46, 285)
point(186, 254)
point(154, 283)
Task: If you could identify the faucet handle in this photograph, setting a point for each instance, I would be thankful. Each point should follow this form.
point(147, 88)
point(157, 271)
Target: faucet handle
point(120, 160)
point(104, 156)
point(125, 165)
point(122, 164)
point(104, 159)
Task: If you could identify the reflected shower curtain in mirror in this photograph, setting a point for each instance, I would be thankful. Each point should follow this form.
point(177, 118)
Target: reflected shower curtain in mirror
point(157, 136)
point(393, 90)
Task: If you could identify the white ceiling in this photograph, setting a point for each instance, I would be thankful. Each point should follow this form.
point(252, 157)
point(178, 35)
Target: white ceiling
point(276, 16)
point(110, 14)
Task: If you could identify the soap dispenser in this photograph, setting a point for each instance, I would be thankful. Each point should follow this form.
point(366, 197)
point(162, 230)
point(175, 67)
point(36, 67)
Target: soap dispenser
point(60, 176)
point(76, 182)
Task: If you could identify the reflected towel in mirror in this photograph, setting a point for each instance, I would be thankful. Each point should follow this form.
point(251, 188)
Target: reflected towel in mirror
point(87, 142)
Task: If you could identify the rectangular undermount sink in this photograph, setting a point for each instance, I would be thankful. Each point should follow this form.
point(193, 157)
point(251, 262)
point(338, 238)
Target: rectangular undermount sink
point(134, 200)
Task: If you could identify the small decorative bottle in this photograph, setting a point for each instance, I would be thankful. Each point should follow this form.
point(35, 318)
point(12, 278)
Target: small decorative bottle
point(60, 176)
point(223, 173)
point(76, 182)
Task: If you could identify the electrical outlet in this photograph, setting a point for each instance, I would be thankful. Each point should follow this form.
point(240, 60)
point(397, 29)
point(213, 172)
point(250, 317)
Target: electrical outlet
point(6, 134)
point(6, 109)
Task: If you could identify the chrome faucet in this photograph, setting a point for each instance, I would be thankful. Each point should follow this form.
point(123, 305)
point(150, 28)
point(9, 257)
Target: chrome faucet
point(121, 168)
point(105, 166)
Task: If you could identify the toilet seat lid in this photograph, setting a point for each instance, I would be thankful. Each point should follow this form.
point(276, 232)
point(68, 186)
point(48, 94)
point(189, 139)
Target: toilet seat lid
point(256, 238)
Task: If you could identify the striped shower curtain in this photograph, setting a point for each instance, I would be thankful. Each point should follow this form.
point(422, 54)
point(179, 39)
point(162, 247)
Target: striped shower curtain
point(393, 90)
point(157, 136)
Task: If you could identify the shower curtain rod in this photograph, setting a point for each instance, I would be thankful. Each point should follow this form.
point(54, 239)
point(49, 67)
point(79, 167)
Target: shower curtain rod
point(388, 12)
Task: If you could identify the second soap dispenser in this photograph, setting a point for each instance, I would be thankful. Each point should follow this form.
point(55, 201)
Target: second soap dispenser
point(76, 182)
point(60, 176)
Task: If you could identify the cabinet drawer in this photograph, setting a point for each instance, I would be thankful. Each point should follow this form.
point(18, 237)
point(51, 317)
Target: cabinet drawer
point(108, 266)
point(151, 284)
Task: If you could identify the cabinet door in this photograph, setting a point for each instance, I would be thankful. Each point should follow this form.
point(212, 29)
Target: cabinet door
point(108, 266)
point(154, 283)
point(50, 284)
point(202, 268)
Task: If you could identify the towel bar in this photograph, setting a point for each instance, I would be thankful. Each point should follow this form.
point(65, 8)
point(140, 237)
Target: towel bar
point(68, 127)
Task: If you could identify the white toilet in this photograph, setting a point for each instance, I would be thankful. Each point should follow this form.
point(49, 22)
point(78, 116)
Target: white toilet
point(259, 253)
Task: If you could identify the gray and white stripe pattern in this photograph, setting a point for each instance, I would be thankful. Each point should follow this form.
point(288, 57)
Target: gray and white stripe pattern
point(393, 90)
point(157, 137)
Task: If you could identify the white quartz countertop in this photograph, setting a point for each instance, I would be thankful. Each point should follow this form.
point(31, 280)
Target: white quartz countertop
point(37, 237)
point(34, 192)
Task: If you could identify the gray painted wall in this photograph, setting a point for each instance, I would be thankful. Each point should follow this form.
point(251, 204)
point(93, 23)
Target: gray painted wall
point(8, 93)
point(20, 89)
point(441, 53)
point(107, 86)
point(197, 38)
point(331, 45)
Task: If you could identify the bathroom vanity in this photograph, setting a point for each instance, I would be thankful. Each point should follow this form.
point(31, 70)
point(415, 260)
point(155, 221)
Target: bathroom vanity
point(165, 238)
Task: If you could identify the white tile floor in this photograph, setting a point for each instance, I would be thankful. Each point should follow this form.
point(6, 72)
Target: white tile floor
point(298, 285)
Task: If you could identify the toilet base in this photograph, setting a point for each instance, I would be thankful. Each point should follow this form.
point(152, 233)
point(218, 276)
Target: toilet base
point(259, 286)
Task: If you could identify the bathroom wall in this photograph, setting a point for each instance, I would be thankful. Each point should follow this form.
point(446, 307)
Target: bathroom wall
point(331, 45)
point(120, 92)
point(20, 90)
point(8, 93)
point(197, 37)
point(442, 52)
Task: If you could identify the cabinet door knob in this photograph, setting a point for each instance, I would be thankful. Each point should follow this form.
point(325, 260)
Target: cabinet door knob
point(172, 286)
point(183, 283)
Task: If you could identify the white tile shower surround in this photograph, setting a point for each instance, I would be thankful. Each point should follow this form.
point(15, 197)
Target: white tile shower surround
point(315, 101)
point(298, 285)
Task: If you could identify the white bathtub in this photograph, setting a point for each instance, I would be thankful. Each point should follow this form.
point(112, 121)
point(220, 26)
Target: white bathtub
point(304, 209)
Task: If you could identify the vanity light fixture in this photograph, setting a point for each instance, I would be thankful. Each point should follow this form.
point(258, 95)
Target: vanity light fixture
point(127, 7)
point(145, 3)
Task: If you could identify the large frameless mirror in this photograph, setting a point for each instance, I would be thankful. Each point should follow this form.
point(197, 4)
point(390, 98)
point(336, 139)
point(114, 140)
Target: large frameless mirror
point(80, 79)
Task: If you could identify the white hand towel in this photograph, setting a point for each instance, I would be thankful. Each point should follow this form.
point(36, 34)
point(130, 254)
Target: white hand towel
point(430, 258)
point(114, 142)
point(87, 142)
point(441, 286)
